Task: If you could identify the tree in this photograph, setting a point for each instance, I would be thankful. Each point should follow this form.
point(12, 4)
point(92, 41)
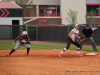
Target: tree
point(23, 3)
point(72, 16)
point(89, 16)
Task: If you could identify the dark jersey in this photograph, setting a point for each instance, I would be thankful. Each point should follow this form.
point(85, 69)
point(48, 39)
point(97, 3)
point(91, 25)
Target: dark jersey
point(87, 32)
point(21, 38)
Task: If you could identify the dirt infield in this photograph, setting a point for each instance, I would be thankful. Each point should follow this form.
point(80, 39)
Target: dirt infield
point(47, 62)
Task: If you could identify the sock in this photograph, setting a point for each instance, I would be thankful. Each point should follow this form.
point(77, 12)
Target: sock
point(78, 50)
point(11, 51)
point(63, 50)
point(28, 49)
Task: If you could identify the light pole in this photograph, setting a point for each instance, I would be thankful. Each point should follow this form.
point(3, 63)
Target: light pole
point(94, 16)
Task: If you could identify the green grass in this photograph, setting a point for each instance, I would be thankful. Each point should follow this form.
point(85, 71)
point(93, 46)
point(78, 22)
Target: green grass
point(9, 45)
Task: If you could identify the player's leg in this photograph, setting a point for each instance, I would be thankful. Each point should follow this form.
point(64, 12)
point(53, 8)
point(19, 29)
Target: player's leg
point(28, 47)
point(68, 45)
point(78, 47)
point(81, 43)
point(15, 48)
point(93, 44)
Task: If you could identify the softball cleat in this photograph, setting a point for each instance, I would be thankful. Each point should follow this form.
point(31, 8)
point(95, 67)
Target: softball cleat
point(8, 55)
point(28, 54)
point(79, 55)
point(59, 55)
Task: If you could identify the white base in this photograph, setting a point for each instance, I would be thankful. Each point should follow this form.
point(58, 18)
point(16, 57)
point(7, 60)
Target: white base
point(91, 54)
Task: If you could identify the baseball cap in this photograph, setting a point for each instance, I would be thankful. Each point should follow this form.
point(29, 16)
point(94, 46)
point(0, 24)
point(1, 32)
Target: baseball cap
point(87, 25)
point(76, 24)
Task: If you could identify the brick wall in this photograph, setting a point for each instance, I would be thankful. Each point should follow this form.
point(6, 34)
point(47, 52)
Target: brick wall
point(43, 7)
point(97, 21)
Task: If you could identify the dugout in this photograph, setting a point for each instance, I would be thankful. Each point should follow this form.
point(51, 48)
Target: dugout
point(10, 20)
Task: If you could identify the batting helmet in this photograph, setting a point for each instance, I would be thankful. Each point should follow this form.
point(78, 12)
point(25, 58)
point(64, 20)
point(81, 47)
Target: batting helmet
point(24, 33)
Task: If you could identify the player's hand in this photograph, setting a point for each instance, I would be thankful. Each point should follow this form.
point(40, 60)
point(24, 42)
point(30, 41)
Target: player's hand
point(13, 43)
point(91, 37)
point(73, 40)
point(28, 42)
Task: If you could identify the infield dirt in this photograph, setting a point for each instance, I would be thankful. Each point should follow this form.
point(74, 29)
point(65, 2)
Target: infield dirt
point(47, 62)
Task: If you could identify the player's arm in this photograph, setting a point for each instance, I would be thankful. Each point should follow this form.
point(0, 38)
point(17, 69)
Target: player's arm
point(28, 41)
point(71, 36)
point(78, 37)
point(15, 41)
point(91, 36)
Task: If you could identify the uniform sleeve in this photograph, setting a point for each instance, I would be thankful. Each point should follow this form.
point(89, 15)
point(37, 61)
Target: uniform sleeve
point(28, 39)
point(72, 30)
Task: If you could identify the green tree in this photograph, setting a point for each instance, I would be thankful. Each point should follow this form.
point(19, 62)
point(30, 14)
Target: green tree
point(72, 16)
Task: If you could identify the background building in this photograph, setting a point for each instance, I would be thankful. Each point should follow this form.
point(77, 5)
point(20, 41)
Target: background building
point(10, 14)
point(55, 12)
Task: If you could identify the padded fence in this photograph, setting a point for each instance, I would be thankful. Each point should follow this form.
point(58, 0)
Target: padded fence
point(32, 32)
point(10, 31)
point(55, 33)
point(44, 33)
point(97, 36)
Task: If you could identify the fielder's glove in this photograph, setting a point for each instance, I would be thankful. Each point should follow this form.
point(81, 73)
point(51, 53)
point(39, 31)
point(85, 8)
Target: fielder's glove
point(82, 38)
point(23, 41)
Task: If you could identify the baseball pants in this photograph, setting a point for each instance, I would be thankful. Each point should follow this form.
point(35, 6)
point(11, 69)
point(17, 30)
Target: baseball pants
point(69, 41)
point(92, 43)
point(19, 44)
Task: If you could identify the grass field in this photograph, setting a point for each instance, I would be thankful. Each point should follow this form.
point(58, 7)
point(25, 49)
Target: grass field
point(9, 45)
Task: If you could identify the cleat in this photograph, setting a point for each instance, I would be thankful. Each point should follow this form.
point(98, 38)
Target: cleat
point(59, 55)
point(79, 55)
point(8, 55)
point(28, 54)
point(95, 50)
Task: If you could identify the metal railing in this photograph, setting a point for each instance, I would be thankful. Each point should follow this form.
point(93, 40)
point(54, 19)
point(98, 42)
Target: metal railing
point(43, 15)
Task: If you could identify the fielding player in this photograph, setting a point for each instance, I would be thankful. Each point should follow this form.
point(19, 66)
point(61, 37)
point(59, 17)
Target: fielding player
point(71, 39)
point(22, 40)
point(88, 33)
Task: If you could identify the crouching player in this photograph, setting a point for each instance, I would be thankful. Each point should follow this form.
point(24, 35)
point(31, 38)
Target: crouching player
point(71, 39)
point(22, 40)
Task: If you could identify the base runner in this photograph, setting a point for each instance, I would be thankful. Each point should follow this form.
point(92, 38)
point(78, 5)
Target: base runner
point(71, 39)
point(21, 40)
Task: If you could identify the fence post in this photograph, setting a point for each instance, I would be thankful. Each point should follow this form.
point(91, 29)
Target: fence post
point(37, 33)
point(68, 29)
point(26, 28)
point(91, 22)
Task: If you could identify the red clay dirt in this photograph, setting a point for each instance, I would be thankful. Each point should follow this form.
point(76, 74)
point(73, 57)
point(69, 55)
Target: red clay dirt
point(47, 62)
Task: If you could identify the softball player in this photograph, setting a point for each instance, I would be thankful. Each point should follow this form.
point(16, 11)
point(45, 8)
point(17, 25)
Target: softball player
point(71, 39)
point(22, 40)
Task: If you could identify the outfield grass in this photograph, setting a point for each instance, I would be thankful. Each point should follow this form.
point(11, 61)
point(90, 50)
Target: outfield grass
point(9, 45)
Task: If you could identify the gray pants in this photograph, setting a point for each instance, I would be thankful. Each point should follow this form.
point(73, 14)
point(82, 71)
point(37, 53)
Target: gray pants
point(92, 43)
point(19, 44)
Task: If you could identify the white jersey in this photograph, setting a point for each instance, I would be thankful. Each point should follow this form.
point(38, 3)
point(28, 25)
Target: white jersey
point(75, 33)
